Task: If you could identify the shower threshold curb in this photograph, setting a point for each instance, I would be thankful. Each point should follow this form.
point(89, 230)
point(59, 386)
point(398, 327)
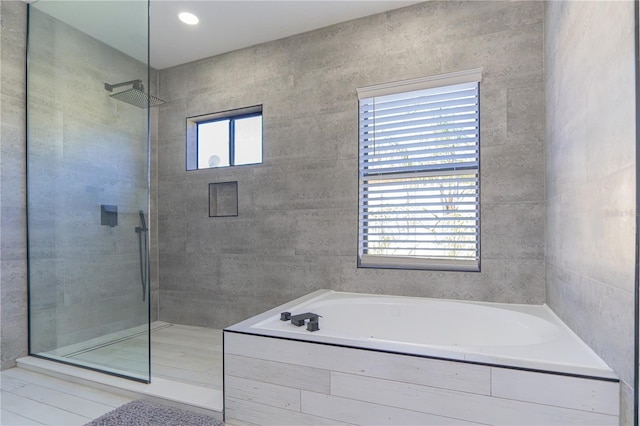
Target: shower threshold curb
point(181, 395)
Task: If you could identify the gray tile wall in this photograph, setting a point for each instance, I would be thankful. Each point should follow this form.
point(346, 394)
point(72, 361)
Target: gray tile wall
point(297, 226)
point(13, 238)
point(590, 177)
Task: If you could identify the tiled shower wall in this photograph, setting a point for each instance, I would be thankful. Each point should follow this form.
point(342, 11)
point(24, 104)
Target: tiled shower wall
point(591, 168)
point(13, 236)
point(297, 226)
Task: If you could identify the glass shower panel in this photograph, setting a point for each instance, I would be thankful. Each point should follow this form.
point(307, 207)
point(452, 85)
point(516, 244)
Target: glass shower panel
point(88, 185)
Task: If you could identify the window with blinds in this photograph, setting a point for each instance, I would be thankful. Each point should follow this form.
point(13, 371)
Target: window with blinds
point(419, 190)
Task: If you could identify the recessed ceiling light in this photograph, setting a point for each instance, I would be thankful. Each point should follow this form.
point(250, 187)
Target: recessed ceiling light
point(188, 18)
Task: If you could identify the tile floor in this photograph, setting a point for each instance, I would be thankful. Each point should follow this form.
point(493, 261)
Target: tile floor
point(29, 398)
point(186, 354)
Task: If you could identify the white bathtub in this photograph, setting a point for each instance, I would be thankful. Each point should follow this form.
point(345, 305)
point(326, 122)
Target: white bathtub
point(402, 360)
point(510, 335)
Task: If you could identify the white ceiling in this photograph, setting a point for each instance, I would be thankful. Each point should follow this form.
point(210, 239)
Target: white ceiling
point(224, 25)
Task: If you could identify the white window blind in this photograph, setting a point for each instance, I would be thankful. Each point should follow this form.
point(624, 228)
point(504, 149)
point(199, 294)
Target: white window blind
point(419, 204)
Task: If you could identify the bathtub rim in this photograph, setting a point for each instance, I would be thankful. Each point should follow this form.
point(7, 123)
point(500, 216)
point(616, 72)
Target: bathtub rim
point(245, 327)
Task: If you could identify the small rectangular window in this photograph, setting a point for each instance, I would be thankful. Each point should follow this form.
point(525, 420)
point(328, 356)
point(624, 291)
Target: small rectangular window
point(419, 190)
point(229, 138)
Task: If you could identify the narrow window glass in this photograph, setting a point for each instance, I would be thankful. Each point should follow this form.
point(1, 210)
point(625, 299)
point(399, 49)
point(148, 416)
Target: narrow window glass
point(213, 144)
point(248, 140)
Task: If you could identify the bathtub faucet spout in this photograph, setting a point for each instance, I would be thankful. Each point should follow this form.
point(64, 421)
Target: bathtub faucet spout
point(299, 320)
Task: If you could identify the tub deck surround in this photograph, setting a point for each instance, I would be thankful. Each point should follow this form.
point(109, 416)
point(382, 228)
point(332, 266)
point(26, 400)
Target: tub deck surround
point(520, 336)
point(277, 373)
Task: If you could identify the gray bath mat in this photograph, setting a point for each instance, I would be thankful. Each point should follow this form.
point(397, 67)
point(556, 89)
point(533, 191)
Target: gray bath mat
point(145, 413)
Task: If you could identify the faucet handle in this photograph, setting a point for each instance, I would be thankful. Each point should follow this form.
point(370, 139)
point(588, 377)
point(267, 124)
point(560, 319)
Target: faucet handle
point(285, 316)
point(313, 324)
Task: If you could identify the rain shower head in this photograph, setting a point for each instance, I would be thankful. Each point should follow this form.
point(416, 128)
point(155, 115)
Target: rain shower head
point(135, 96)
point(138, 98)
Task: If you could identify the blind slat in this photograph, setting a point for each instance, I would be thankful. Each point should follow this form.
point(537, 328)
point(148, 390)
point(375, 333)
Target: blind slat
point(431, 167)
point(424, 234)
point(464, 215)
point(401, 201)
point(423, 219)
point(458, 108)
point(414, 181)
point(428, 152)
point(442, 251)
point(416, 141)
point(470, 126)
point(374, 228)
point(426, 157)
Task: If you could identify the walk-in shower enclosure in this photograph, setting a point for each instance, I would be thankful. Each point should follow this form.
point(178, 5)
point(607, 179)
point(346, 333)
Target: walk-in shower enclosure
point(88, 183)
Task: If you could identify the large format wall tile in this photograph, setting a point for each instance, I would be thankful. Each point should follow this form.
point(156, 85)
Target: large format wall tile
point(422, 24)
point(513, 231)
point(601, 315)
point(590, 177)
point(13, 261)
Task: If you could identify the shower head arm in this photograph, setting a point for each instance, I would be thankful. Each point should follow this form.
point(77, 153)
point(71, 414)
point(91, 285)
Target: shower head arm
point(137, 84)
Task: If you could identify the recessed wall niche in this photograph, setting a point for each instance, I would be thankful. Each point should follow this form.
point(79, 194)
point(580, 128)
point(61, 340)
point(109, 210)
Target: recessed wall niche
point(223, 199)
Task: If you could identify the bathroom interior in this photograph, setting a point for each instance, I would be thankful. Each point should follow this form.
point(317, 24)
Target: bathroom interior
point(111, 257)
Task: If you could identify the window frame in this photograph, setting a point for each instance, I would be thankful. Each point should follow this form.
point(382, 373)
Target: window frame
point(431, 262)
point(193, 140)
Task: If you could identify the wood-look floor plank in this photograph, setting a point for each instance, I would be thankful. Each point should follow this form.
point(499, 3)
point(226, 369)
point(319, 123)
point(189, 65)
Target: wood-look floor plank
point(54, 398)
point(193, 366)
point(111, 399)
point(195, 330)
point(171, 349)
point(212, 377)
point(40, 412)
point(201, 345)
point(8, 418)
